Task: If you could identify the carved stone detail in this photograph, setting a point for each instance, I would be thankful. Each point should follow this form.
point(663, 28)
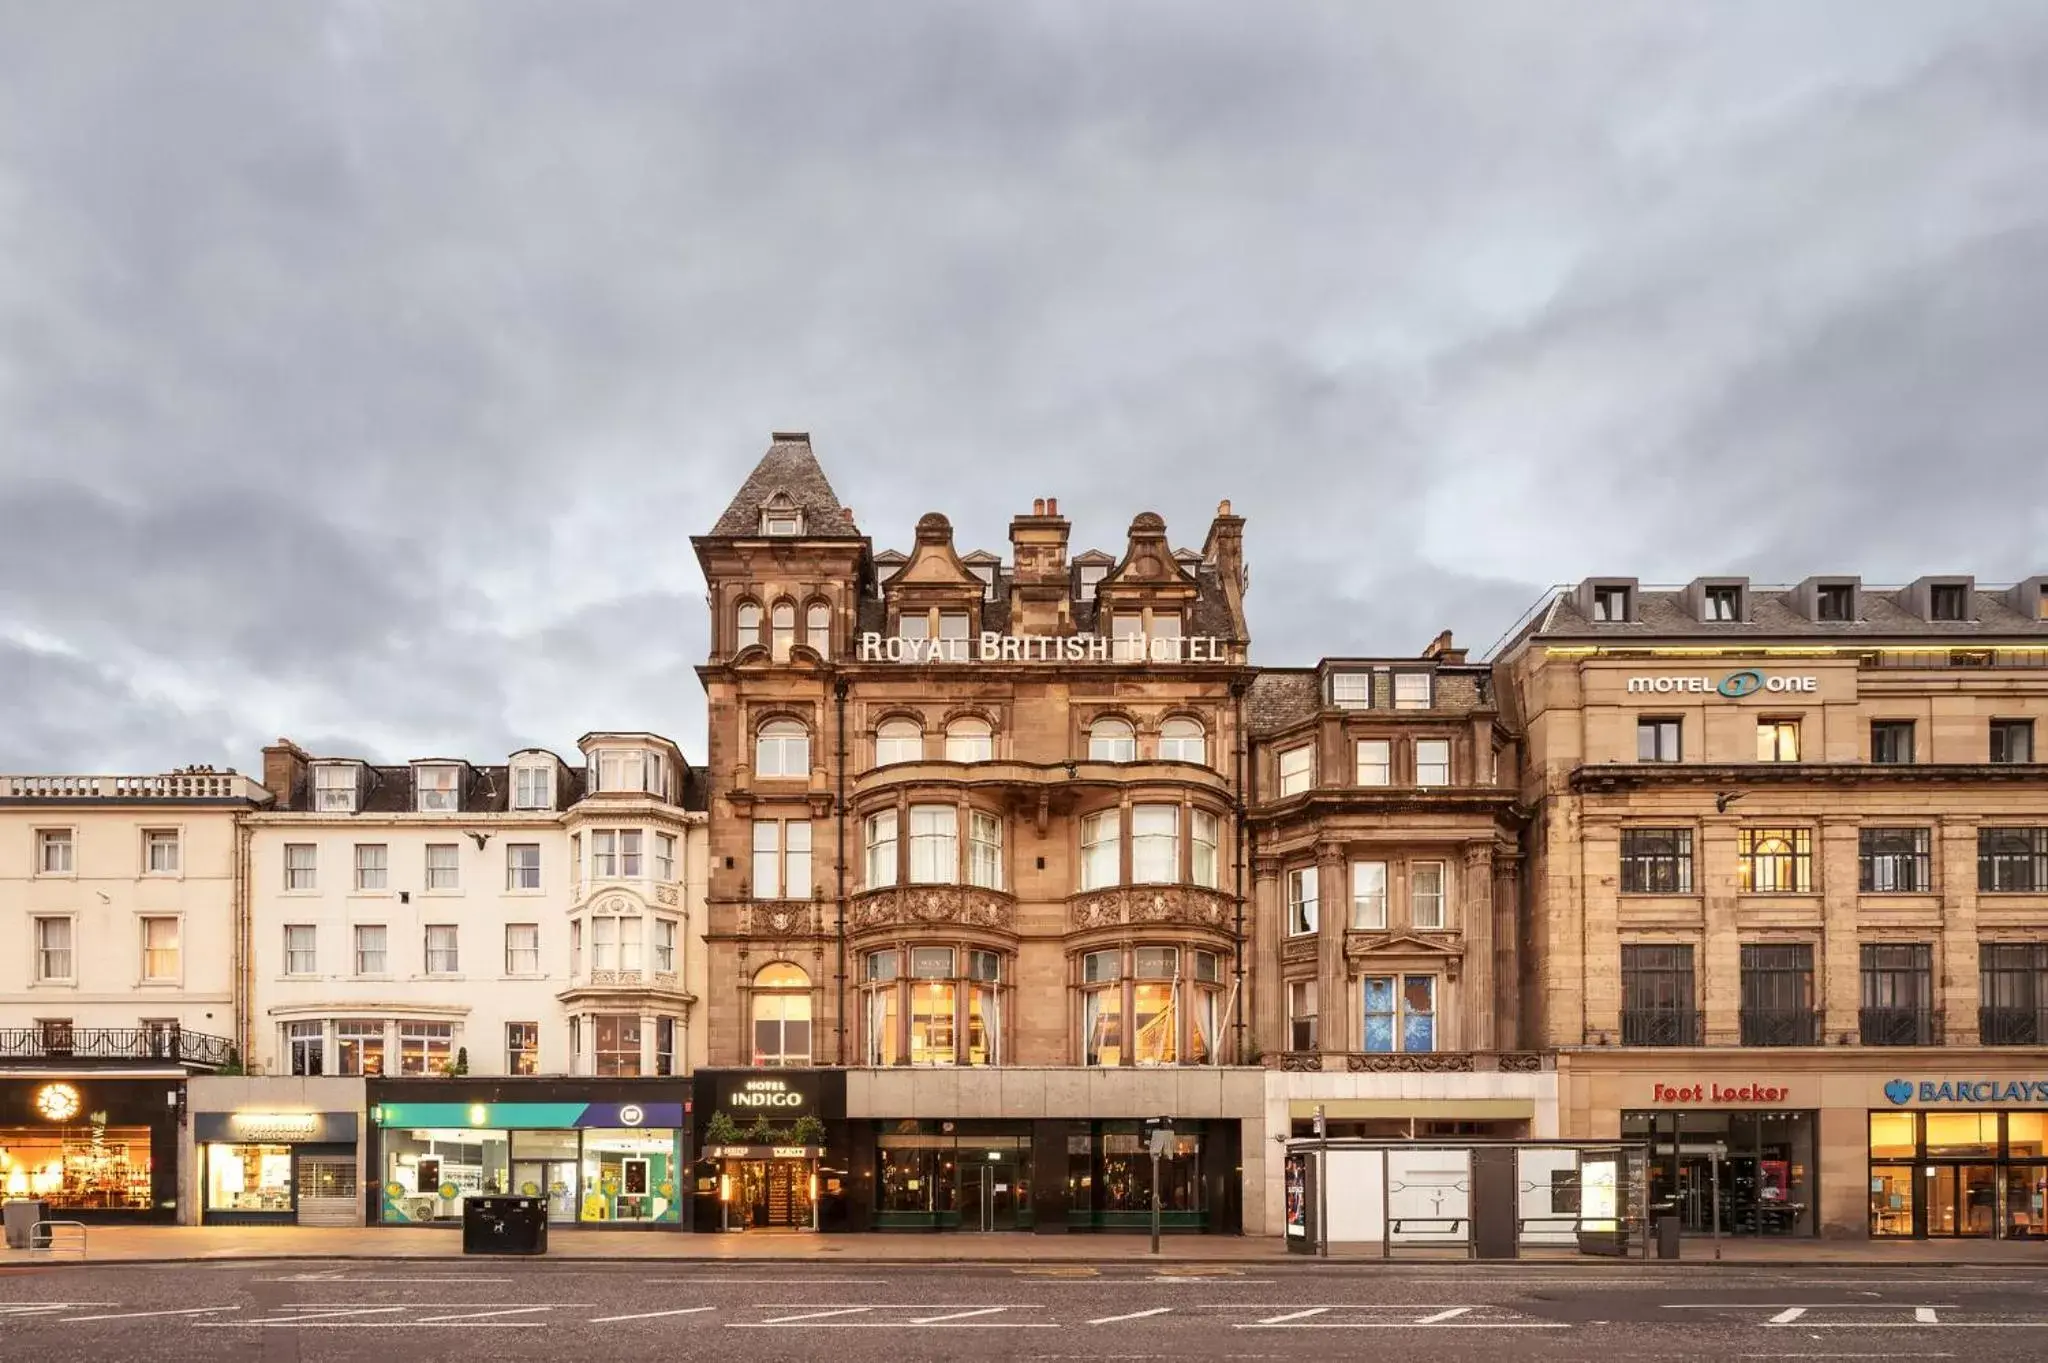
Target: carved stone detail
point(1521, 1062)
point(1138, 905)
point(1301, 1061)
point(779, 917)
point(1299, 949)
point(1398, 1063)
point(968, 906)
point(666, 894)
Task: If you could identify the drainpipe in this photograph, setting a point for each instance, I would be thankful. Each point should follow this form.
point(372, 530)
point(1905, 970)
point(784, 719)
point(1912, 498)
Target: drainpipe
point(1240, 783)
point(244, 971)
point(839, 897)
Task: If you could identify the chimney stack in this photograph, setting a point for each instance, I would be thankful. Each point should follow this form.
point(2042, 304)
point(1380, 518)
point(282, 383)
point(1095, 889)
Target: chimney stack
point(284, 771)
point(1440, 648)
point(1040, 596)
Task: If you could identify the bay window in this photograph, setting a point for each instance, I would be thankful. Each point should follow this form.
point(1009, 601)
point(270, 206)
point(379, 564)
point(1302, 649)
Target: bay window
point(879, 977)
point(933, 1011)
point(1203, 829)
point(934, 844)
point(1432, 762)
point(881, 846)
point(985, 850)
point(1155, 1020)
point(1206, 995)
point(1155, 844)
point(665, 945)
point(1301, 901)
point(984, 1008)
point(1297, 766)
point(912, 1006)
point(1102, 1005)
point(1101, 839)
point(615, 1044)
point(1375, 762)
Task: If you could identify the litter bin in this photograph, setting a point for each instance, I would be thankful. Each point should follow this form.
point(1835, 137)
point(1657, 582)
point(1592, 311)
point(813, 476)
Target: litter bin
point(1667, 1236)
point(504, 1225)
point(19, 1215)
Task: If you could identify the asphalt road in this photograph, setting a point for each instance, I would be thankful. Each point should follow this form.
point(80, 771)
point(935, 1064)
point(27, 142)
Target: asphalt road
point(508, 1309)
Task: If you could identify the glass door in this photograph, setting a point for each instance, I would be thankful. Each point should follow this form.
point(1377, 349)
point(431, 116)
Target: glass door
point(1962, 1200)
point(977, 1185)
point(2026, 1200)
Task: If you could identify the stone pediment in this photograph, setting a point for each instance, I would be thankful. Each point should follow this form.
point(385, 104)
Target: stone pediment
point(932, 561)
point(1404, 949)
point(1148, 562)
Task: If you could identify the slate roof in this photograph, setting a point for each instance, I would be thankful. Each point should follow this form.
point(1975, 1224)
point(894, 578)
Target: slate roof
point(790, 468)
point(1278, 699)
point(1774, 613)
point(488, 789)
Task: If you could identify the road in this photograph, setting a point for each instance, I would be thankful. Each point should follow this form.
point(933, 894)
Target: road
point(510, 1309)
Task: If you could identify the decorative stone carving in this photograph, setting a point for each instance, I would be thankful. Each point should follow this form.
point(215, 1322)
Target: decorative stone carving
point(1301, 1061)
point(625, 977)
point(665, 894)
point(968, 906)
point(1520, 1062)
point(1398, 1063)
point(1127, 905)
point(1299, 949)
point(778, 917)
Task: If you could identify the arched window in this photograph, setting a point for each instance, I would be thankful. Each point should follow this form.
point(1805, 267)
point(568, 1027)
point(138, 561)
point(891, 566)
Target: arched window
point(782, 1016)
point(749, 622)
point(969, 740)
point(1182, 740)
point(818, 628)
point(782, 630)
point(1111, 740)
point(898, 740)
point(783, 748)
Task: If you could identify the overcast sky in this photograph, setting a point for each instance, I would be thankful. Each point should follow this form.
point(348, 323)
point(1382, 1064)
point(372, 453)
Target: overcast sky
point(365, 367)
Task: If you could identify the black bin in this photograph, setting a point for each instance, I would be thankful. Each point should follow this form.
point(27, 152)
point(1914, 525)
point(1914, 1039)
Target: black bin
point(1667, 1236)
point(504, 1225)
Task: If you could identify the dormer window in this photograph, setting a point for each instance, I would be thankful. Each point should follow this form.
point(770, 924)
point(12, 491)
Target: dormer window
point(1092, 574)
point(954, 629)
point(1351, 690)
point(1610, 604)
point(533, 785)
point(437, 790)
point(1722, 603)
point(1948, 601)
point(1412, 690)
point(335, 787)
point(780, 517)
point(614, 770)
point(987, 573)
point(1835, 602)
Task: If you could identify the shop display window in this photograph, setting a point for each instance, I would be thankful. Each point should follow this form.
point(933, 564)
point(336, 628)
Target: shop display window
point(91, 1168)
point(1113, 1172)
point(629, 1176)
point(1962, 1133)
point(248, 1178)
point(428, 1173)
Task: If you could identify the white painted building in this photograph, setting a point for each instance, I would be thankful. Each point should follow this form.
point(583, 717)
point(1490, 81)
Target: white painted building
point(530, 917)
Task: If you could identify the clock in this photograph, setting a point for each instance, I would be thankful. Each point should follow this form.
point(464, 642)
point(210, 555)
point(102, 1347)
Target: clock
point(57, 1102)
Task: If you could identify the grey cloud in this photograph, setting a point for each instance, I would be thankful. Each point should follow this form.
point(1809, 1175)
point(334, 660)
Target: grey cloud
point(398, 349)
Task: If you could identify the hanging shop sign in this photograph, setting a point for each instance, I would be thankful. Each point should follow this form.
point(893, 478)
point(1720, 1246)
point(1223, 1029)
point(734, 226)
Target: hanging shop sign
point(1045, 648)
point(1746, 682)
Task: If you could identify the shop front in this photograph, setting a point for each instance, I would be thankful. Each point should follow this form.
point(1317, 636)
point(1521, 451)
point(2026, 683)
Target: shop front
point(765, 1161)
point(278, 1168)
point(603, 1153)
point(1959, 1156)
point(92, 1147)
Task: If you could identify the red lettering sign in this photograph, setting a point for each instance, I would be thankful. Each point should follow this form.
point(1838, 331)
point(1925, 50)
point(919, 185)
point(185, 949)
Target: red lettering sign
point(1718, 1093)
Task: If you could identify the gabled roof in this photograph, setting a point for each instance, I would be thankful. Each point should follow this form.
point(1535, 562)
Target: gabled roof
point(791, 471)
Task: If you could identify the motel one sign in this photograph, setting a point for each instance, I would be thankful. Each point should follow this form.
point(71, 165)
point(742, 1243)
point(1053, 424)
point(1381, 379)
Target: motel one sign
point(1044, 648)
point(1735, 685)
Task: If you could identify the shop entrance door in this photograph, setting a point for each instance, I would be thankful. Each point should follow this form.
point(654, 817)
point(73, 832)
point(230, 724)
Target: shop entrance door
point(1962, 1200)
point(773, 1194)
point(988, 1192)
point(552, 1179)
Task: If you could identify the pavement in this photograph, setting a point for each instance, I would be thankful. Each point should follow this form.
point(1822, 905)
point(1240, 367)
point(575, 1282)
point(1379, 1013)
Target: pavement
point(514, 1310)
point(171, 1244)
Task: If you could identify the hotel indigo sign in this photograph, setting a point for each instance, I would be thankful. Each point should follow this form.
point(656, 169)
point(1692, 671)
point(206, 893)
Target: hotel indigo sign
point(1044, 648)
point(1735, 685)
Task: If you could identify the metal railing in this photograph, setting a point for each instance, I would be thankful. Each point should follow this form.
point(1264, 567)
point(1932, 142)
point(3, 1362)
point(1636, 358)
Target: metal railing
point(173, 1044)
point(2012, 1026)
point(1780, 1027)
point(1661, 1027)
point(1898, 1027)
point(57, 1237)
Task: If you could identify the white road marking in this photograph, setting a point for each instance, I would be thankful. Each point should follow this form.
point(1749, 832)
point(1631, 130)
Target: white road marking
point(483, 1315)
point(651, 1315)
point(1295, 1315)
point(766, 1282)
point(1135, 1315)
point(138, 1315)
point(345, 1278)
point(819, 1315)
point(958, 1315)
point(1452, 1314)
point(1925, 1315)
point(1787, 1316)
point(1804, 1306)
point(368, 1325)
point(45, 1307)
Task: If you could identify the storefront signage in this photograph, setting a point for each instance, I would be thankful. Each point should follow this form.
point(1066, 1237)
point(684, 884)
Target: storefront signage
point(765, 1093)
point(281, 1127)
point(1718, 1093)
point(275, 1128)
point(1045, 648)
point(529, 1116)
point(57, 1102)
point(1735, 685)
point(764, 1151)
point(1904, 1091)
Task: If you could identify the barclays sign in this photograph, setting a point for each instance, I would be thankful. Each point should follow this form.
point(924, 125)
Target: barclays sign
point(1746, 682)
point(1980, 1091)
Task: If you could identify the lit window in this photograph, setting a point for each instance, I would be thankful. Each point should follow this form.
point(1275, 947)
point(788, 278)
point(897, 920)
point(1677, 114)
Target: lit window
point(1301, 901)
point(1102, 1007)
point(1112, 740)
point(1101, 839)
point(1182, 740)
point(783, 749)
point(969, 740)
point(1412, 690)
point(1375, 761)
point(522, 1048)
point(1777, 740)
point(425, 1047)
point(1774, 860)
point(898, 740)
point(782, 1016)
point(1296, 770)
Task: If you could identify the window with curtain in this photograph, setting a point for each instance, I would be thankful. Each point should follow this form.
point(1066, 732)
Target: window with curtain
point(1155, 844)
point(1426, 894)
point(969, 740)
point(881, 849)
point(984, 1008)
point(665, 945)
point(1182, 740)
point(1203, 831)
point(1369, 895)
point(1112, 740)
point(782, 859)
point(444, 866)
point(1155, 992)
point(1102, 1003)
point(818, 628)
point(782, 749)
point(782, 1015)
point(1101, 834)
point(898, 740)
point(1301, 1015)
point(934, 845)
point(1206, 1010)
point(522, 948)
point(985, 850)
point(879, 974)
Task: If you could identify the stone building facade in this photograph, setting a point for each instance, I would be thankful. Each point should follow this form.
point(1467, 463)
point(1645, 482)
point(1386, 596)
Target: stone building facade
point(1789, 842)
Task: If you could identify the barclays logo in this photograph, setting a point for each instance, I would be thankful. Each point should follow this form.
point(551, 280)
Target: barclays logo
point(1739, 684)
point(1899, 1091)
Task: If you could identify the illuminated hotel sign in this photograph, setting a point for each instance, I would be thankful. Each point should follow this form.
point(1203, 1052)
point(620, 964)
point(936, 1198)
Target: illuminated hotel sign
point(1045, 648)
point(1735, 685)
point(764, 1093)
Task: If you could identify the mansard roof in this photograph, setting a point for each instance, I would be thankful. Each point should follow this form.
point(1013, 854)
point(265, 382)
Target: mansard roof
point(789, 470)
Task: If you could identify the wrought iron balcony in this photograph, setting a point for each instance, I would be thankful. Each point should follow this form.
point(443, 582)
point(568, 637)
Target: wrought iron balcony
point(1781, 1027)
point(1661, 1027)
point(173, 1045)
point(2012, 1026)
point(1899, 1027)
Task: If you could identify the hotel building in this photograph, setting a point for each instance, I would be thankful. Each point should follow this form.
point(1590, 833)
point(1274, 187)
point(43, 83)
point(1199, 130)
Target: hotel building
point(1787, 894)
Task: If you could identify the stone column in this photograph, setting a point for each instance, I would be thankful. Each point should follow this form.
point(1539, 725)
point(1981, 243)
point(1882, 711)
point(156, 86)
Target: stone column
point(1265, 1002)
point(1507, 954)
point(647, 1042)
point(1841, 963)
point(1958, 983)
point(1718, 968)
point(1333, 894)
point(1599, 884)
point(1476, 979)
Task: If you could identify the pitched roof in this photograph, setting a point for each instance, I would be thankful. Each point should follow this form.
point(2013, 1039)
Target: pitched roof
point(791, 470)
point(1662, 614)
